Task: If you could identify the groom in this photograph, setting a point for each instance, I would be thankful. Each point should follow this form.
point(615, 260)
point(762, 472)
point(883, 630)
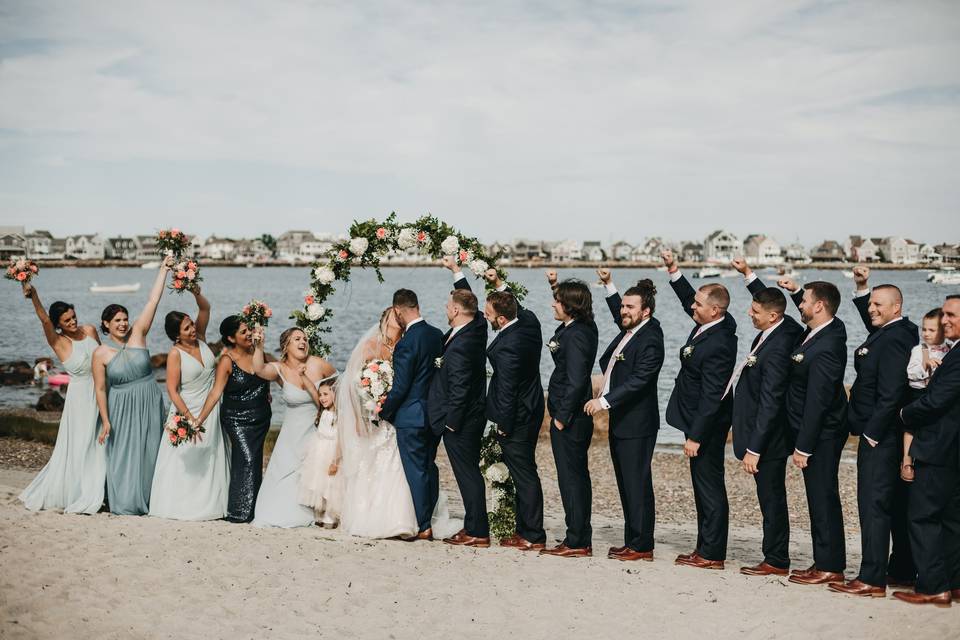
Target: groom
point(406, 406)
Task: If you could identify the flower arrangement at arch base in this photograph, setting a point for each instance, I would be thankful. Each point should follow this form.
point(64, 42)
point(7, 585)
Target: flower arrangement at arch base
point(370, 242)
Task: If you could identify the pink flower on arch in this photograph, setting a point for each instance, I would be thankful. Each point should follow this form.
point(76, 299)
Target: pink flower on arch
point(343, 254)
point(309, 299)
point(421, 236)
point(381, 233)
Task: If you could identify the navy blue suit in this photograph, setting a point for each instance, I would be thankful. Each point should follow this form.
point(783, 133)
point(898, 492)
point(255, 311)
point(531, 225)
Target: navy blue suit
point(760, 425)
point(571, 386)
point(456, 406)
point(879, 392)
point(816, 412)
point(414, 363)
point(697, 407)
point(634, 422)
point(934, 509)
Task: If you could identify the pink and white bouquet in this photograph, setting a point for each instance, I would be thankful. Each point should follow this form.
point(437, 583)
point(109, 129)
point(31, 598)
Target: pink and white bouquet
point(375, 382)
point(256, 313)
point(172, 242)
point(180, 430)
point(21, 270)
point(186, 276)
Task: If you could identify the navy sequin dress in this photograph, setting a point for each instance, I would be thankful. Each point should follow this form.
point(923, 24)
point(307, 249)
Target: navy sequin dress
point(245, 418)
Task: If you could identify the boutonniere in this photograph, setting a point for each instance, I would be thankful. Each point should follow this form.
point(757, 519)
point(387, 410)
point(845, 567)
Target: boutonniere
point(438, 362)
point(862, 351)
point(620, 357)
point(751, 360)
point(553, 345)
point(687, 351)
point(797, 357)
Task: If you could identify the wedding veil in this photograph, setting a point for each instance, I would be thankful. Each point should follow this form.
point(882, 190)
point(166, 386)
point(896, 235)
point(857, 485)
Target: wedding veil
point(353, 429)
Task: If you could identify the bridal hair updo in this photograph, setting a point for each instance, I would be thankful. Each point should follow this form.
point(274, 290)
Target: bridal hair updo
point(576, 299)
point(285, 341)
point(57, 309)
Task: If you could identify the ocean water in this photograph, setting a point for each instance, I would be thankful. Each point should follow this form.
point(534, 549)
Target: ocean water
point(357, 306)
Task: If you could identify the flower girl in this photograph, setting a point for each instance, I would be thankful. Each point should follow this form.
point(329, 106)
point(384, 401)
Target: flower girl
point(321, 483)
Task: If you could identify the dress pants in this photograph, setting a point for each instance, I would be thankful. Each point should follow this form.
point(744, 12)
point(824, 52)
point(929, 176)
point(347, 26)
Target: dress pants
point(934, 513)
point(772, 495)
point(710, 497)
point(570, 447)
point(823, 500)
point(463, 450)
point(631, 464)
point(520, 455)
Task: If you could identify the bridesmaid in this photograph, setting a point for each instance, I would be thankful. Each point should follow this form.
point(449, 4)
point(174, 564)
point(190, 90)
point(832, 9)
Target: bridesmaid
point(298, 374)
point(191, 480)
point(73, 479)
point(130, 403)
point(244, 416)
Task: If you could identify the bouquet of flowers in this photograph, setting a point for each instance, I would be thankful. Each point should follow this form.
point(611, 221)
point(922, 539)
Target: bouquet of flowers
point(180, 429)
point(21, 270)
point(376, 380)
point(172, 242)
point(256, 313)
point(186, 276)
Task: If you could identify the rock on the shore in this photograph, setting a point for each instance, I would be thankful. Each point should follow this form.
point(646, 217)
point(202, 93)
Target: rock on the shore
point(51, 400)
point(16, 372)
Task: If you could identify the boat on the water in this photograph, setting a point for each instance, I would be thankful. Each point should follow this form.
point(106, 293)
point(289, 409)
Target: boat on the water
point(946, 275)
point(151, 265)
point(706, 272)
point(115, 288)
point(848, 274)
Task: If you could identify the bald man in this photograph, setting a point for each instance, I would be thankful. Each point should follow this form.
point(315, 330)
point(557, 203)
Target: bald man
point(879, 392)
point(700, 407)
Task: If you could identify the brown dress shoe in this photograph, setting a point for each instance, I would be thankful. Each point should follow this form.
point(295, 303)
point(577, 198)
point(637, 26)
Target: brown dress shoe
point(938, 599)
point(858, 588)
point(685, 556)
point(763, 569)
point(699, 562)
point(816, 577)
point(615, 551)
point(630, 555)
point(516, 542)
point(798, 572)
point(563, 551)
point(423, 535)
point(462, 539)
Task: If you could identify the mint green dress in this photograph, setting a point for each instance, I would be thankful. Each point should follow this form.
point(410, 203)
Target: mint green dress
point(135, 407)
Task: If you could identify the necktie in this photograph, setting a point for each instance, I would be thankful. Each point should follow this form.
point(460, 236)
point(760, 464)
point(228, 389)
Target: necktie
point(736, 372)
point(613, 360)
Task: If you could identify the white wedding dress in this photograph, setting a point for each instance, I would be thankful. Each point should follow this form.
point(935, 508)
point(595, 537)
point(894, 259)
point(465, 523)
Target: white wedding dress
point(377, 502)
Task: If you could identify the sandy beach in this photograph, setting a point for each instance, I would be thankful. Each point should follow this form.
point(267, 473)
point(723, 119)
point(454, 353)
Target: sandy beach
point(106, 576)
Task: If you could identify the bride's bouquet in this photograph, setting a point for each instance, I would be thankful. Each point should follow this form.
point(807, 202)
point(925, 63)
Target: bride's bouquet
point(256, 313)
point(21, 270)
point(172, 242)
point(186, 276)
point(180, 429)
point(376, 380)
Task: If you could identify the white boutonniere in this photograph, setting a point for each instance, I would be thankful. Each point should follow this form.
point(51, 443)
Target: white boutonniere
point(620, 357)
point(751, 360)
point(797, 357)
point(687, 351)
point(438, 362)
point(862, 351)
point(553, 345)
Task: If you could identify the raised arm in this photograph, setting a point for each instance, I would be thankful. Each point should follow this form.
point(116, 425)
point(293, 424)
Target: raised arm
point(216, 391)
point(100, 390)
point(203, 315)
point(260, 365)
point(49, 331)
point(145, 320)
point(754, 284)
point(613, 297)
point(679, 284)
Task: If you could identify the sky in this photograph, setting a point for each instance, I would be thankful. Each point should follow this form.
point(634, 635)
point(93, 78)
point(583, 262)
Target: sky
point(553, 119)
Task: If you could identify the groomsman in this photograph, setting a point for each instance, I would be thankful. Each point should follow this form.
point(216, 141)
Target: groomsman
point(456, 405)
point(934, 509)
point(515, 406)
point(761, 436)
point(816, 412)
point(574, 350)
point(879, 392)
point(701, 409)
point(631, 368)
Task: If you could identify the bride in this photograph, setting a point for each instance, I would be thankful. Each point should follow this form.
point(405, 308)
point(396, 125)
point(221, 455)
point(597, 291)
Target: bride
point(377, 502)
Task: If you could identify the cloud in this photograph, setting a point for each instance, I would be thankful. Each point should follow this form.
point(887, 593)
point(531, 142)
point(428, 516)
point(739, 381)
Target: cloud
point(557, 119)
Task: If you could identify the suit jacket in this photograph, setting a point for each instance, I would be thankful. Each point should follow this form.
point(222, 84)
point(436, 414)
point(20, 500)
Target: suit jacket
point(816, 398)
point(881, 388)
point(759, 401)
point(458, 390)
point(571, 385)
point(696, 405)
point(934, 418)
point(413, 367)
point(634, 410)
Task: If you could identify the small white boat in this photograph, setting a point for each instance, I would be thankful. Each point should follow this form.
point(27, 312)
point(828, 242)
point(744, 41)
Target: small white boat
point(848, 274)
point(729, 273)
point(116, 288)
point(946, 275)
point(706, 272)
point(151, 265)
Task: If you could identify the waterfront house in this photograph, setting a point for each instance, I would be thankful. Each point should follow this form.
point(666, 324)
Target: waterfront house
point(649, 251)
point(85, 247)
point(592, 251)
point(828, 251)
point(691, 252)
point(949, 252)
point(120, 248)
point(146, 248)
point(762, 250)
point(621, 251)
point(216, 248)
point(505, 251)
point(565, 251)
point(528, 250)
point(13, 242)
point(246, 251)
point(289, 243)
point(861, 249)
point(796, 253)
point(38, 244)
point(721, 246)
point(928, 254)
